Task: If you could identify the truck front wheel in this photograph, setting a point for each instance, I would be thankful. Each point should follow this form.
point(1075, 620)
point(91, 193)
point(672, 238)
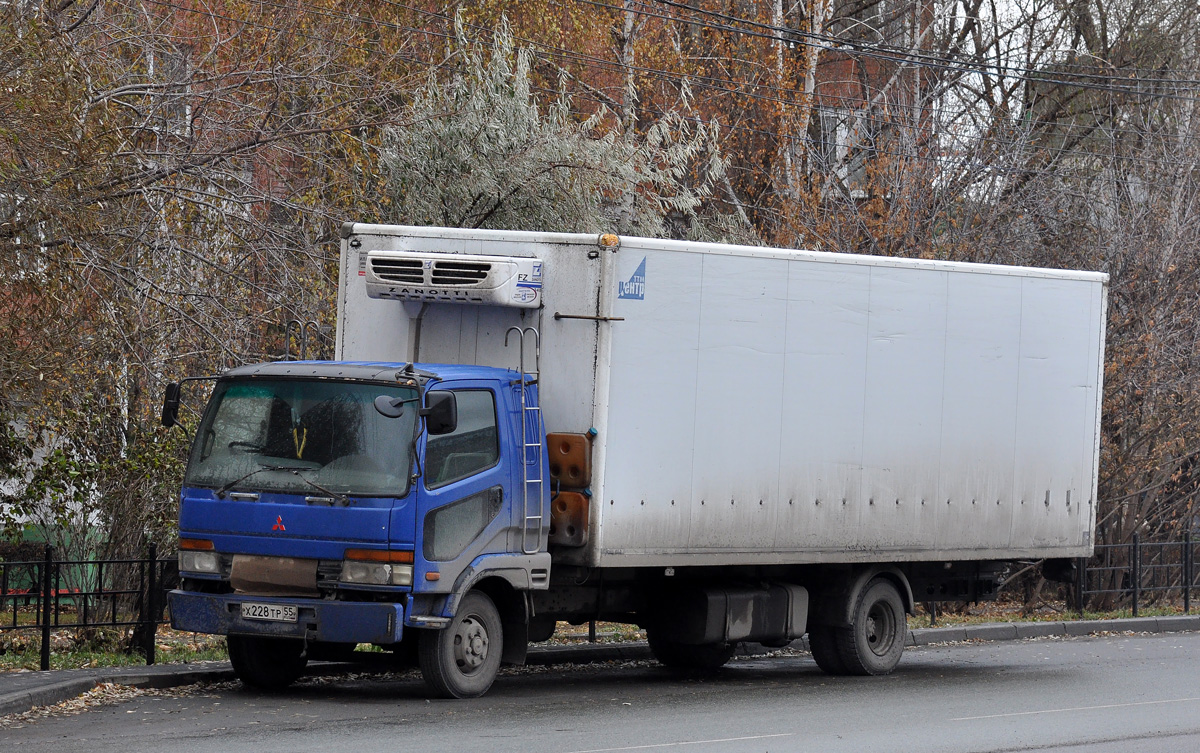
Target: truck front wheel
point(707, 656)
point(461, 661)
point(266, 663)
point(874, 641)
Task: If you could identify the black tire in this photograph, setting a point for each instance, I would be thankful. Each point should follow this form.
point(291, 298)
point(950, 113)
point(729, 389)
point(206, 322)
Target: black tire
point(822, 641)
point(406, 653)
point(874, 642)
point(461, 661)
point(267, 663)
point(344, 652)
point(706, 657)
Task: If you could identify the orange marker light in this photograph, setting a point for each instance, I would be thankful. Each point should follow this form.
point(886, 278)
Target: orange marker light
point(378, 555)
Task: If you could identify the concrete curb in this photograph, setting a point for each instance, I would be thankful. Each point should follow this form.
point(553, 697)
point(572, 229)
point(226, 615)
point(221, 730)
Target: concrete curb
point(49, 688)
point(219, 673)
point(1008, 631)
point(56, 686)
point(586, 653)
point(45, 695)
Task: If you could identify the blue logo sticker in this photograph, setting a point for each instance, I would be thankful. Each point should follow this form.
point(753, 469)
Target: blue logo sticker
point(532, 280)
point(635, 289)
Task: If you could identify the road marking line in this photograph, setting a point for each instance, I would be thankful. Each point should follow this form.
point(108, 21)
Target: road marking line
point(687, 742)
point(1078, 708)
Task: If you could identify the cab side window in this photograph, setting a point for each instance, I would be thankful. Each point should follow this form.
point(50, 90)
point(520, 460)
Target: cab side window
point(472, 447)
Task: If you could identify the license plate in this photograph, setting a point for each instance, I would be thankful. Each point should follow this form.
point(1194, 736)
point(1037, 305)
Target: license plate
point(270, 612)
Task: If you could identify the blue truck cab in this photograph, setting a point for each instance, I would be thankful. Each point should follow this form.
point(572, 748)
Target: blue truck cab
point(331, 504)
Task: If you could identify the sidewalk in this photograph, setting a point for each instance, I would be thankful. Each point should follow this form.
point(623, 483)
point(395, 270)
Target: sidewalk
point(21, 691)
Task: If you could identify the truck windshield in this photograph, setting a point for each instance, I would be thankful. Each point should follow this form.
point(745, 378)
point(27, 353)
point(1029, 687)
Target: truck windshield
point(297, 436)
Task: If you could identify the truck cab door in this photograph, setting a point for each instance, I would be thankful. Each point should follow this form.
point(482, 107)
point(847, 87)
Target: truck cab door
point(463, 507)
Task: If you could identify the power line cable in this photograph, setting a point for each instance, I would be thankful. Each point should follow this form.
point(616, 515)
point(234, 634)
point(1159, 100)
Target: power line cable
point(839, 44)
point(766, 133)
point(714, 83)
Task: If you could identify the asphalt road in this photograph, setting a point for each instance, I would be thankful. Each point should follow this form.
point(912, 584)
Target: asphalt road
point(1122, 694)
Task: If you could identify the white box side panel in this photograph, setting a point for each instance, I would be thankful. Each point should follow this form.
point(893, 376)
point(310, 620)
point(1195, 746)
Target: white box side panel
point(1057, 388)
point(1096, 358)
point(649, 443)
point(979, 413)
point(901, 425)
point(368, 329)
point(822, 440)
point(475, 334)
point(465, 334)
point(931, 400)
point(454, 334)
point(568, 382)
point(735, 460)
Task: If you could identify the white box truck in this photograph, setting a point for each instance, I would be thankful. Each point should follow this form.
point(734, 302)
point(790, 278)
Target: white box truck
point(718, 443)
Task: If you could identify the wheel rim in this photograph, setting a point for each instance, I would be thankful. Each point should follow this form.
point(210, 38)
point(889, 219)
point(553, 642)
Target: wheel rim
point(470, 644)
point(880, 628)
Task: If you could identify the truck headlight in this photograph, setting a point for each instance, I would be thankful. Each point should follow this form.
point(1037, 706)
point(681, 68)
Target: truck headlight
point(377, 567)
point(402, 575)
point(374, 573)
point(199, 562)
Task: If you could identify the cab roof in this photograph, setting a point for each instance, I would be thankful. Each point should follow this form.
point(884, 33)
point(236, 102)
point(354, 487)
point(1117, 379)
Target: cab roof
point(369, 371)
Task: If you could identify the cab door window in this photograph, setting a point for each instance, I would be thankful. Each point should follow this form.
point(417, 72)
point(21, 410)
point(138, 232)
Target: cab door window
point(472, 447)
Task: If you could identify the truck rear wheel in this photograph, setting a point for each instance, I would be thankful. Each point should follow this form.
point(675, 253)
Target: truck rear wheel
point(267, 663)
point(461, 661)
point(874, 642)
point(707, 656)
point(822, 642)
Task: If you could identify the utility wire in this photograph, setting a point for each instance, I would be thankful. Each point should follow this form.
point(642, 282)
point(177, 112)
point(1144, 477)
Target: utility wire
point(718, 84)
point(709, 82)
point(673, 77)
point(835, 44)
point(826, 41)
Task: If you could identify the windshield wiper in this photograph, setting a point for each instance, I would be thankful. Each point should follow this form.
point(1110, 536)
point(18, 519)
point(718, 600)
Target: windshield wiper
point(344, 499)
point(224, 489)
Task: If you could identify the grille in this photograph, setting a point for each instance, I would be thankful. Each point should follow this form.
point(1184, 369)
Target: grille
point(398, 270)
point(459, 272)
point(328, 572)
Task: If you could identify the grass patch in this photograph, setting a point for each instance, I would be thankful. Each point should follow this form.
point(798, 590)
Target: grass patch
point(606, 632)
point(953, 615)
point(103, 647)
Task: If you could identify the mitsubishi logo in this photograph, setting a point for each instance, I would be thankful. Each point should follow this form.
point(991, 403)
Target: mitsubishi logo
point(278, 524)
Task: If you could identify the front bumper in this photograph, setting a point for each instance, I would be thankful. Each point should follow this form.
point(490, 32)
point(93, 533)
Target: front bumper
point(319, 620)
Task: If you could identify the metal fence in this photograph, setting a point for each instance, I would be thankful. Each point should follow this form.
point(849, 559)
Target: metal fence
point(48, 594)
point(1138, 574)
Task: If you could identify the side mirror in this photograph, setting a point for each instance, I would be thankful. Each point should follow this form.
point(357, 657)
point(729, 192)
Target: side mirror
point(440, 412)
point(170, 410)
point(390, 407)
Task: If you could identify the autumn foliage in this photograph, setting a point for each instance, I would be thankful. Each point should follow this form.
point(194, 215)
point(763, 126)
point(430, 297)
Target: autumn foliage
point(173, 173)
